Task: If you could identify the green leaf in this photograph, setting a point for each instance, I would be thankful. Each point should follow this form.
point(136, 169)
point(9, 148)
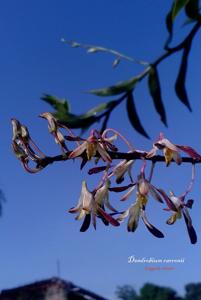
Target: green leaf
point(177, 7)
point(180, 87)
point(192, 9)
point(117, 89)
point(155, 91)
point(169, 26)
point(133, 115)
point(59, 104)
point(98, 109)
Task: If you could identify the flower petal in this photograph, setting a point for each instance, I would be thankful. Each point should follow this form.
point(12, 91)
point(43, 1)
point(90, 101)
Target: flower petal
point(103, 153)
point(166, 143)
point(190, 151)
point(78, 151)
point(177, 158)
point(168, 201)
point(86, 223)
point(172, 219)
point(157, 233)
point(152, 152)
point(134, 215)
point(109, 218)
point(154, 193)
point(127, 195)
point(81, 214)
point(118, 189)
point(96, 170)
point(123, 216)
point(191, 231)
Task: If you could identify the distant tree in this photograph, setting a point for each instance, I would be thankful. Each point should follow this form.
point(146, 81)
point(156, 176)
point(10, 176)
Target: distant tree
point(126, 292)
point(154, 292)
point(193, 291)
point(147, 292)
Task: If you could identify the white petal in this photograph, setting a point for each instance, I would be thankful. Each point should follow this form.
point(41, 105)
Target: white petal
point(79, 150)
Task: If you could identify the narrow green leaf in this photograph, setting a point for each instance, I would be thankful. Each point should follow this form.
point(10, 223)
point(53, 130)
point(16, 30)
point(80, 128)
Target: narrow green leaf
point(98, 109)
point(155, 91)
point(58, 104)
point(177, 7)
point(117, 89)
point(180, 87)
point(133, 115)
point(192, 9)
point(169, 26)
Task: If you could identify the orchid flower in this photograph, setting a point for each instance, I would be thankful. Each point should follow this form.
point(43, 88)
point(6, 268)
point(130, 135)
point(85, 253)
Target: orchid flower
point(94, 144)
point(121, 169)
point(91, 205)
point(134, 212)
point(23, 147)
point(144, 188)
point(171, 151)
point(53, 127)
point(179, 207)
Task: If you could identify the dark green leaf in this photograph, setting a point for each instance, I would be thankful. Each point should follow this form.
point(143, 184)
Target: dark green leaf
point(192, 9)
point(59, 104)
point(169, 26)
point(155, 91)
point(98, 109)
point(177, 7)
point(117, 89)
point(133, 115)
point(180, 87)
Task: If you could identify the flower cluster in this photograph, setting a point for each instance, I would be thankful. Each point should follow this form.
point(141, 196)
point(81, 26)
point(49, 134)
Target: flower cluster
point(101, 147)
point(24, 147)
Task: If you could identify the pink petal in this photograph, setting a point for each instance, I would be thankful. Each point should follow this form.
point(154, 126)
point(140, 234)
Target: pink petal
point(152, 152)
point(127, 195)
point(103, 153)
point(168, 144)
point(97, 170)
point(78, 151)
point(190, 151)
point(168, 201)
point(109, 218)
point(118, 189)
point(154, 194)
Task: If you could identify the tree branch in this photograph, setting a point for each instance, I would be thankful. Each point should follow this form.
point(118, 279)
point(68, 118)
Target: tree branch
point(135, 155)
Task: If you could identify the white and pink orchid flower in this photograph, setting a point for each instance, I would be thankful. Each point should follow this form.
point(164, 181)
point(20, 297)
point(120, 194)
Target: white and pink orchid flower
point(91, 205)
point(171, 151)
point(134, 212)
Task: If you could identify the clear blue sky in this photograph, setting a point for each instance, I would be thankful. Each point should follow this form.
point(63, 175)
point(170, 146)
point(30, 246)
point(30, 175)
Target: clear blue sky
point(35, 230)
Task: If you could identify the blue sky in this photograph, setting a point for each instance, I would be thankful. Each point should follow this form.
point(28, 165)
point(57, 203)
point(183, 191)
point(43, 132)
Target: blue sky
point(35, 229)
